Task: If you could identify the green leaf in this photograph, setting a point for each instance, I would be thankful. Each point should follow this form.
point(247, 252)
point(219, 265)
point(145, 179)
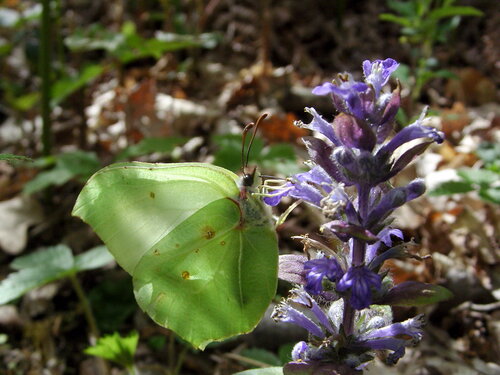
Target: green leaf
point(67, 166)
point(79, 163)
point(66, 86)
point(93, 258)
point(115, 348)
point(491, 195)
point(261, 355)
point(489, 152)
point(57, 257)
point(482, 177)
point(43, 180)
point(35, 270)
point(263, 371)
point(451, 11)
point(150, 145)
point(395, 19)
point(405, 8)
point(25, 102)
point(94, 37)
point(451, 187)
point(413, 293)
point(14, 158)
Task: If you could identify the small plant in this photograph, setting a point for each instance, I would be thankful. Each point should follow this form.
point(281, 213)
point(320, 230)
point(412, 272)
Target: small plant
point(485, 181)
point(118, 349)
point(50, 264)
point(425, 23)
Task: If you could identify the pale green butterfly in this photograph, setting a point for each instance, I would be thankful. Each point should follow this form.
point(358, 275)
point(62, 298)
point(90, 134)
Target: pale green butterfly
point(201, 248)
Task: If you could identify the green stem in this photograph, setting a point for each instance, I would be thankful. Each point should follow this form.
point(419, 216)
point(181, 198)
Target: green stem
point(180, 361)
point(45, 74)
point(87, 310)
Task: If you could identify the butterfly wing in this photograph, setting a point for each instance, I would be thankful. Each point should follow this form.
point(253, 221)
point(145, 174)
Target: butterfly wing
point(203, 261)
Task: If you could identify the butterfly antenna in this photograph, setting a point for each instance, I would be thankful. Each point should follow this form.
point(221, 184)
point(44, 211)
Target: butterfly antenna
point(247, 128)
point(259, 120)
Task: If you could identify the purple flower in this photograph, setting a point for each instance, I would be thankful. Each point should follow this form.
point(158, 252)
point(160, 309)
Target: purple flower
point(394, 337)
point(346, 95)
point(378, 72)
point(384, 238)
point(318, 124)
point(302, 310)
point(300, 297)
point(393, 199)
point(359, 280)
point(400, 150)
point(322, 154)
point(284, 312)
point(371, 113)
point(317, 269)
point(299, 351)
point(309, 186)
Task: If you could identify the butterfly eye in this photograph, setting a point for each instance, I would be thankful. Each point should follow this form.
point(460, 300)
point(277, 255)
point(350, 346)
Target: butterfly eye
point(247, 179)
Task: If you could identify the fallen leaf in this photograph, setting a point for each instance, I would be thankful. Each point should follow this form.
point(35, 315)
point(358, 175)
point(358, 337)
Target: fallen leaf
point(16, 216)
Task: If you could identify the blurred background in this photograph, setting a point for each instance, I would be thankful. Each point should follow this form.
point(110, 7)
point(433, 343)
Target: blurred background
point(87, 83)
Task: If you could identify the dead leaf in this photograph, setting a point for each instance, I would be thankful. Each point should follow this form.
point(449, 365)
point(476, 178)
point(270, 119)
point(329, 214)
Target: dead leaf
point(281, 128)
point(16, 216)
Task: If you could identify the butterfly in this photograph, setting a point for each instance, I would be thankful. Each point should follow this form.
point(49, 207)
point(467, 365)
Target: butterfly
point(200, 246)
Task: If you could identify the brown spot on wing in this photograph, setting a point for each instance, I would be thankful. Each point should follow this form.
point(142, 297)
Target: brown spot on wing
point(208, 232)
point(185, 275)
point(156, 252)
point(222, 243)
point(152, 195)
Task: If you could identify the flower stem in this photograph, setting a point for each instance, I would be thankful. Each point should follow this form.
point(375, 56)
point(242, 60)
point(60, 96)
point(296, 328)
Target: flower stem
point(348, 318)
point(357, 255)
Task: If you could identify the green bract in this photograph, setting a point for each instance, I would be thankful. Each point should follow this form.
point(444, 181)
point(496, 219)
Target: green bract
point(203, 256)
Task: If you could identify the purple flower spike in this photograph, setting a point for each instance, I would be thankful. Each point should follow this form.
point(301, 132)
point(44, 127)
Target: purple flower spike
point(377, 73)
point(359, 280)
point(317, 269)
